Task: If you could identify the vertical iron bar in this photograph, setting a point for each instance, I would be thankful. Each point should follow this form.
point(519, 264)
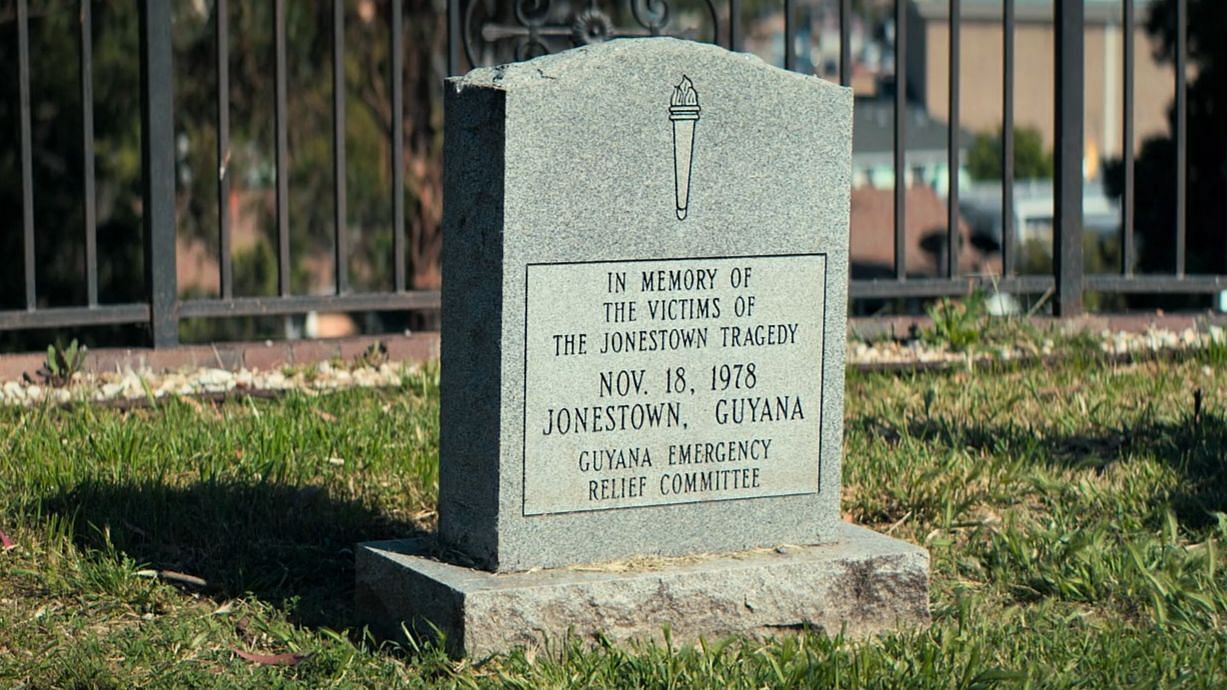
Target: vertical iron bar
point(790, 35)
point(900, 139)
point(283, 168)
point(87, 148)
point(27, 158)
point(454, 40)
point(224, 266)
point(1067, 220)
point(158, 170)
point(340, 217)
point(1007, 140)
point(845, 42)
point(1182, 128)
point(398, 146)
point(1127, 258)
point(734, 24)
point(952, 151)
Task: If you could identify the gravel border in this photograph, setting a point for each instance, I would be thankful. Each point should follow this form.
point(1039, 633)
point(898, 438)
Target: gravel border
point(145, 384)
point(137, 387)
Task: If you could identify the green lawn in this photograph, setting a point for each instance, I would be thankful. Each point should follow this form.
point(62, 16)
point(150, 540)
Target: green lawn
point(1072, 512)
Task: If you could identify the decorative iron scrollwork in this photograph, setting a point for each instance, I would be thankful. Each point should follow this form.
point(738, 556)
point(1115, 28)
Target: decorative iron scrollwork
point(496, 31)
point(653, 15)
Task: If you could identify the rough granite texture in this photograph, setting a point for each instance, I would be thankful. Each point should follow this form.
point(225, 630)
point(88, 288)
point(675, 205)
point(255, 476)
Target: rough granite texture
point(569, 158)
point(864, 583)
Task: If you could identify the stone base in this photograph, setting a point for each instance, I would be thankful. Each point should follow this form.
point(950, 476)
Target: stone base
point(864, 583)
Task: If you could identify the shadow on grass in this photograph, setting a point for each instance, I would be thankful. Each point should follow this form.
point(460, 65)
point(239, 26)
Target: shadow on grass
point(1195, 447)
point(290, 546)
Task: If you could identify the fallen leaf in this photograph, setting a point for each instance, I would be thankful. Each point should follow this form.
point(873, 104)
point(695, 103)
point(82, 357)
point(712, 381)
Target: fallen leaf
point(289, 659)
point(336, 461)
point(5, 542)
point(327, 417)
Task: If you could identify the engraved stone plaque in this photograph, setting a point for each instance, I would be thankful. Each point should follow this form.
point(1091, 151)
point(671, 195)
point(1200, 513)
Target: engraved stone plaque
point(672, 381)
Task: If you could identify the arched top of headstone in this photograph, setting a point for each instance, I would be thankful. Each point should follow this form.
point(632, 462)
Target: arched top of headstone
point(636, 57)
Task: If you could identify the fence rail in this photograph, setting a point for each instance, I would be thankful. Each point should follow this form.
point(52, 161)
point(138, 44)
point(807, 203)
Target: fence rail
point(474, 39)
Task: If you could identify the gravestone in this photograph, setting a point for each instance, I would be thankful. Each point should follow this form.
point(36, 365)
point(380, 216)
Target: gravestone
point(645, 280)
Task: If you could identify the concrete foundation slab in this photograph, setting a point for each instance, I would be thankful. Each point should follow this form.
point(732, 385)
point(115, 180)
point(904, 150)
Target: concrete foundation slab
point(863, 583)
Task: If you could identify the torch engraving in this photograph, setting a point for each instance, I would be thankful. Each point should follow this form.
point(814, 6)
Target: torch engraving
point(683, 113)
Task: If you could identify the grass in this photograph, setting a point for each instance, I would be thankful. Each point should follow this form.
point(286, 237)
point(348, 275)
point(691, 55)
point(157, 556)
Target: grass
point(1074, 513)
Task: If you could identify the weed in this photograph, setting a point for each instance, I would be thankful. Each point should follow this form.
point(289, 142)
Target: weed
point(373, 356)
point(308, 372)
point(62, 364)
point(422, 381)
point(960, 324)
point(1214, 346)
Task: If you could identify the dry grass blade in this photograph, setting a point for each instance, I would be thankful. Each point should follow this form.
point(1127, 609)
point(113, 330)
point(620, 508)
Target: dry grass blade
point(173, 576)
point(288, 659)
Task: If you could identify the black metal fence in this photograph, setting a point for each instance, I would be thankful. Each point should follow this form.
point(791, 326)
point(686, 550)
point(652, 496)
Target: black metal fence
point(163, 309)
point(484, 31)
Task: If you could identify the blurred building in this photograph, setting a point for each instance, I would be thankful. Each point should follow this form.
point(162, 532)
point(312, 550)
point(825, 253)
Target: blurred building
point(980, 70)
point(926, 160)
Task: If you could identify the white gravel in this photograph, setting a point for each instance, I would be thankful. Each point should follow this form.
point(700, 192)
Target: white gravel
point(143, 384)
point(1117, 343)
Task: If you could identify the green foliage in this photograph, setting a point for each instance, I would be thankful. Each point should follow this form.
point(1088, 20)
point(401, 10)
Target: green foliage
point(1031, 161)
point(423, 381)
point(959, 323)
point(62, 363)
point(1215, 351)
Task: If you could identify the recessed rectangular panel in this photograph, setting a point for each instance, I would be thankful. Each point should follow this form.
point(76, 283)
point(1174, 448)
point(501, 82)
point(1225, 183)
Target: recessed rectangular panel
point(657, 382)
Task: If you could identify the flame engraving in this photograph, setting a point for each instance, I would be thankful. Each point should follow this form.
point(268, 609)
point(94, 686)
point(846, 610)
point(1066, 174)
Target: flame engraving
point(684, 93)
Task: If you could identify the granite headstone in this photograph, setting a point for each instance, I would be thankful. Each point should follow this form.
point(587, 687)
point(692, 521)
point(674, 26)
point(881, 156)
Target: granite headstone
point(645, 278)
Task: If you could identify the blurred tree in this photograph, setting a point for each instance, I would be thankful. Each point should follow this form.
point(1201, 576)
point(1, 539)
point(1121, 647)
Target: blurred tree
point(1155, 179)
point(58, 164)
point(369, 125)
point(57, 154)
point(57, 148)
point(1031, 161)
